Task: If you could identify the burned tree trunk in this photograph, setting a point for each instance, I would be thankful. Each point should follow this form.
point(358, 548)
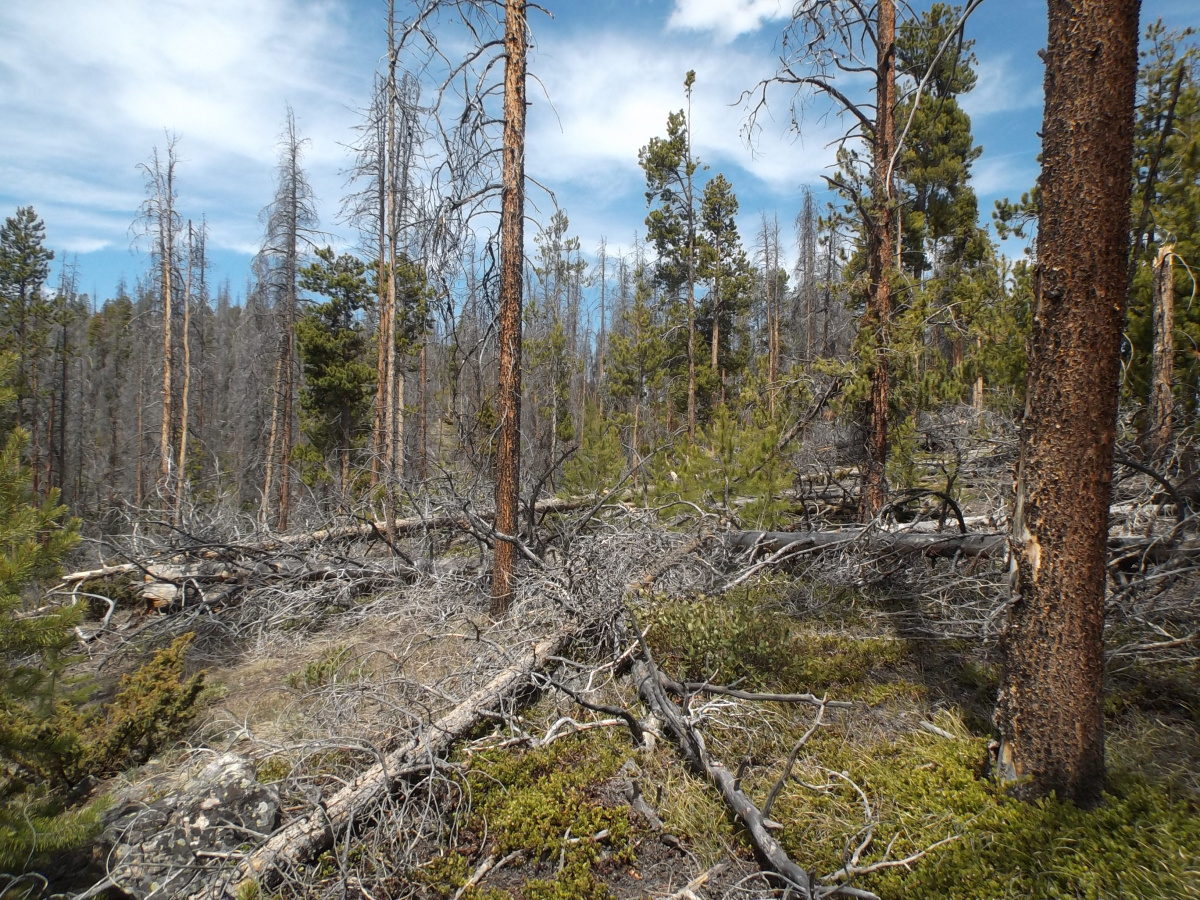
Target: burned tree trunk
point(1050, 711)
point(512, 258)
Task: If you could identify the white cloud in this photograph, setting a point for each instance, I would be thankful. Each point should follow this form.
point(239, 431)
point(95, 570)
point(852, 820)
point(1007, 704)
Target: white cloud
point(1003, 87)
point(727, 18)
point(89, 88)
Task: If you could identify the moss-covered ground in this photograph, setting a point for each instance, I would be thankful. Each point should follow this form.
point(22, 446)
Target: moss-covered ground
point(914, 803)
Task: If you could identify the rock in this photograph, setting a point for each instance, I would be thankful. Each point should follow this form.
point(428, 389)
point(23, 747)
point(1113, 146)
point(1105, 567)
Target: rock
point(167, 848)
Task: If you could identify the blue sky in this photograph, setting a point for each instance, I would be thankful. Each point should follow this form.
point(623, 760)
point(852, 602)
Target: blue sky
point(87, 89)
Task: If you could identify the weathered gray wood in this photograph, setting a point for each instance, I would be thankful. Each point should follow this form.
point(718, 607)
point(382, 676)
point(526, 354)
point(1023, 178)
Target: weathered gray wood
point(937, 545)
point(305, 838)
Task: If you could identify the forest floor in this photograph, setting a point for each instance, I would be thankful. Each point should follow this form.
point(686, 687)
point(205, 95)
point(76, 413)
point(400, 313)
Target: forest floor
point(878, 782)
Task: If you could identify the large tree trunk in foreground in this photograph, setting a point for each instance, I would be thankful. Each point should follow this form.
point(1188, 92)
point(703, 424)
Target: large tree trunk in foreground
point(512, 260)
point(881, 240)
point(1050, 711)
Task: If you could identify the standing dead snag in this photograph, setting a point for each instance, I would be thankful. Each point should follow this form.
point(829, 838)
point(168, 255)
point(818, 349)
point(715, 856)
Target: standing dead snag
point(1159, 420)
point(1050, 709)
point(512, 260)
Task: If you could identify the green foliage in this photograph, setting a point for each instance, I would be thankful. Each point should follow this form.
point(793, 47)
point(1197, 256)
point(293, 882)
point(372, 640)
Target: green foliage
point(34, 827)
point(733, 459)
point(153, 707)
point(339, 380)
point(598, 464)
point(1141, 842)
point(1174, 199)
point(33, 642)
point(740, 636)
point(637, 352)
point(320, 671)
point(723, 264)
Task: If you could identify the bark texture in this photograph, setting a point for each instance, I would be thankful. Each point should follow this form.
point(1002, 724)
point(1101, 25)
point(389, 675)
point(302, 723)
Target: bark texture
point(1050, 709)
point(882, 244)
point(512, 259)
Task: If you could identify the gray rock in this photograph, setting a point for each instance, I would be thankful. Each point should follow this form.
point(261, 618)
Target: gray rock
point(169, 847)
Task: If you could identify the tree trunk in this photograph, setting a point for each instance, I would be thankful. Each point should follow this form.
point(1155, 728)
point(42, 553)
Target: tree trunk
point(187, 379)
point(512, 258)
point(882, 242)
point(166, 251)
point(1050, 711)
point(1160, 419)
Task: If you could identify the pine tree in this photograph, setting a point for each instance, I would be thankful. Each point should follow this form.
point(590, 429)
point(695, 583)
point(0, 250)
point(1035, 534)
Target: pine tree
point(670, 171)
point(723, 264)
point(339, 380)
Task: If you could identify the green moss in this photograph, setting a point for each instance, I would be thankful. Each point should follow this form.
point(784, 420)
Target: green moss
point(1139, 843)
point(546, 803)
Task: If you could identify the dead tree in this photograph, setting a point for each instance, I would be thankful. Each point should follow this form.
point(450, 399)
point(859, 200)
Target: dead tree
point(512, 261)
point(1050, 712)
point(291, 220)
point(1159, 419)
point(162, 224)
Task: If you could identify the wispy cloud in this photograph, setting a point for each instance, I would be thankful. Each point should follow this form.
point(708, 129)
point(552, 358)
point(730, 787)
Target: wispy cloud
point(217, 72)
point(726, 19)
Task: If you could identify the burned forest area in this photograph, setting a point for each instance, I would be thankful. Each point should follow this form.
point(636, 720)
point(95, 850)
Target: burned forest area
point(459, 560)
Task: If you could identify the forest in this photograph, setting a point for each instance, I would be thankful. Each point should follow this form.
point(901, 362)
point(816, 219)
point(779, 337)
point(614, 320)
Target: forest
point(856, 555)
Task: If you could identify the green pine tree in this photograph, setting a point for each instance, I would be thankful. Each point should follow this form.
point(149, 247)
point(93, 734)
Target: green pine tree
point(339, 379)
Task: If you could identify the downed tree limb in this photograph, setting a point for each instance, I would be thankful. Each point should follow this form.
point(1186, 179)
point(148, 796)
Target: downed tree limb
point(691, 746)
point(650, 681)
point(311, 835)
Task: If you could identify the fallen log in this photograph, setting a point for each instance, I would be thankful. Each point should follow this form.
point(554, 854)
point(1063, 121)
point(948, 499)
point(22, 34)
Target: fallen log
point(164, 581)
point(938, 545)
point(874, 541)
point(310, 835)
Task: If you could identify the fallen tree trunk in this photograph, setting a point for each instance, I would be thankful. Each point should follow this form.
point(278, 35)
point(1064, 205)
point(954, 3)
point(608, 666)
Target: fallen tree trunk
point(217, 567)
point(307, 837)
point(903, 543)
point(937, 545)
